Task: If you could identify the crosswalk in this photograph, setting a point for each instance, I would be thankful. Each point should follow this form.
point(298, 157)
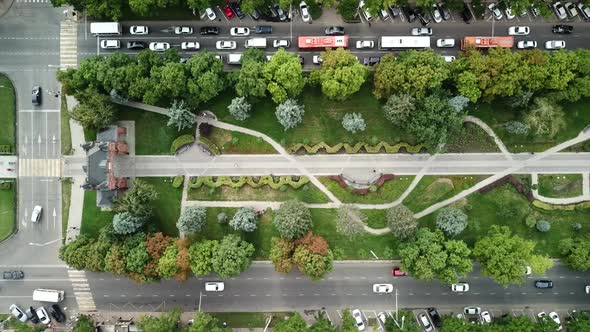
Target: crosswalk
point(39, 167)
point(68, 44)
point(82, 291)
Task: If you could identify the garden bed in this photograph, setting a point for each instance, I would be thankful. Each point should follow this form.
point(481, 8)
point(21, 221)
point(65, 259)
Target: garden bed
point(386, 193)
point(560, 186)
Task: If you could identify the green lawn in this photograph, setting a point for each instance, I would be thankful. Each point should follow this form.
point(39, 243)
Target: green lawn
point(7, 113)
point(433, 189)
point(236, 142)
point(66, 191)
point(387, 193)
point(175, 13)
point(66, 135)
point(7, 210)
point(266, 193)
point(471, 138)
point(249, 319)
point(562, 185)
point(376, 218)
point(93, 219)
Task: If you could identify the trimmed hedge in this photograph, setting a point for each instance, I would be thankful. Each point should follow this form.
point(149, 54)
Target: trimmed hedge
point(266, 180)
point(569, 207)
point(5, 149)
point(177, 182)
point(180, 142)
point(355, 148)
point(364, 191)
point(210, 145)
point(5, 185)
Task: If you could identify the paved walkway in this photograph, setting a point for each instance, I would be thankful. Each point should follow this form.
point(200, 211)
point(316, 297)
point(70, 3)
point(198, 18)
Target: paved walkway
point(77, 195)
point(562, 201)
point(5, 6)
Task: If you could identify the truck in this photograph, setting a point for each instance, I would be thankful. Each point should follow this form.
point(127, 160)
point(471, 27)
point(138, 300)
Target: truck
point(234, 59)
point(105, 28)
point(48, 295)
point(487, 42)
point(255, 43)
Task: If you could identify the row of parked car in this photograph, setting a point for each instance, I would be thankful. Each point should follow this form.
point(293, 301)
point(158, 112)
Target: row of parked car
point(39, 315)
point(271, 12)
point(562, 11)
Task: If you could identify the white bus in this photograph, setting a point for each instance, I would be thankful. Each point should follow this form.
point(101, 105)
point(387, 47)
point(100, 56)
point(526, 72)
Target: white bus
point(105, 28)
point(403, 42)
point(48, 295)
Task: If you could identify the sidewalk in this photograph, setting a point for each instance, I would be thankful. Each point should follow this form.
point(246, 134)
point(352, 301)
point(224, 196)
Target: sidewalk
point(5, 6)
point(77, 195)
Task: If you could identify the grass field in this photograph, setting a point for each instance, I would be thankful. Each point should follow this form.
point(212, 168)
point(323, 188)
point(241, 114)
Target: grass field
point(7, 113)
point(7, 210)
point(247, 193)
point(387, 193)
point(471, 138)
point(235, 142)
point(433, 189)
point(66, 136)
point(566, 185)
point(93, 219)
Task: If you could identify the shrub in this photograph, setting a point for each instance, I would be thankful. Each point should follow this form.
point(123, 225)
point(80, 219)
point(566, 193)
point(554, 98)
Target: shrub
point(401, 221)
point(244, 220)
point(126, 223)
point(239, 108)
point(577, 227)
point(292, 219)
point(353, 122)
point(210, 145)
point(290, 114)
point(192, 219)
point(516, 128)
point(177, 182)
point(543, 226)
point(221, 217)
point(180, 142)
point(451, 221)
point(5, 149)
point(530, 221)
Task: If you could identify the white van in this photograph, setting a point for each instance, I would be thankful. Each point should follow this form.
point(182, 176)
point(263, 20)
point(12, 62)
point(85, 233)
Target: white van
point(255, 43)
point(48, 295)
point(384, 14)
point(234, 59)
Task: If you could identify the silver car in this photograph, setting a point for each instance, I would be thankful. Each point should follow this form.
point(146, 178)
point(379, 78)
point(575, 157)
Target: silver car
point(18, 313)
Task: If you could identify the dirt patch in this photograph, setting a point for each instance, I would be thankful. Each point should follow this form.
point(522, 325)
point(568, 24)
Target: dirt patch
point(438, 189)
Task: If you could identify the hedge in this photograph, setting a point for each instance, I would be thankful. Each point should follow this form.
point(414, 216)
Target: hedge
point(5, 185)
point(265, 180)
point(363, 191)
point(180, 142)
point(355, 148)
point(177, 182)
point(210, 145)
point(5, 149)
point(569, 207)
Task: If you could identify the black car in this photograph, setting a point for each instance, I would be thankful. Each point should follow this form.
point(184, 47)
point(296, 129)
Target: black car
point(409, 14)
point(255, 14)
point(209, 31)
point(562, 29)
point(444, 11)
point(424, 20)
point(466, 15)
point(13, 274)
point(136, 45)
point(543, 284)
point(56, 313)
point(36, 95)
point(371, 61)
point(33, 314)
point(334, 31)
point(282, 16)
point(236, 9)
point(263, 29)
point(301, 60)
point(436, 320)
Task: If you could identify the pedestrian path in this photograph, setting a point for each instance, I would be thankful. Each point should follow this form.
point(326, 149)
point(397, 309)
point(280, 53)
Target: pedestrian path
point(561, 201)
point(82, 291)
point(39, 167)
point(68, 44)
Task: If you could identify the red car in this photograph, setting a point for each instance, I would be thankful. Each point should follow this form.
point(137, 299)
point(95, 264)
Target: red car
point(396, 272)
point(228, 12)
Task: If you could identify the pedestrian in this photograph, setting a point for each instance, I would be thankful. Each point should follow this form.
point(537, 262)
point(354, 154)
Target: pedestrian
point(369, 24)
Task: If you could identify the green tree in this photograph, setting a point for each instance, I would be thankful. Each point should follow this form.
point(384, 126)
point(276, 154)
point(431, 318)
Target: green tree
point(515, 324)
point(206, 78)
point(102, 9)
point(232, 256)
point(114, 261)
point(239, 108)
point(451, 221)
point(341, 74)
point(401, 221)
point(295, 323)
point(170, 80)
point(248, 6)
point(348, 324)
point(84, 324)
point(430, 257)
point(454, 324)
point(284, 76)
point(576, 253)
point(580, 323)
point(292, 219)
point(138, 200)
point(290, 114)
point(399, 108)
point(201, 256)
point(137, 259)
point(348, 9)
point(192, 219)
point(545, 118)
point(281, 254)
point(244, 220)
point(96, 254)
point(166, 322)
point(204, 322)
point(504, 256)
point(75, 253)
point(94, 111)
point(167, 267)
point(251, 82)
point(180, 116)
point(126, 223)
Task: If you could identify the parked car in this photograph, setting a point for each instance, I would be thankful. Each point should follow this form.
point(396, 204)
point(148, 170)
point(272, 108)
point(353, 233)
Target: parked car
point(110, 44)
point(205, 31)
point(13, 275)
point(316, 60)
point(239, 31)
point(424, 20)
point(445, 43)
point(570, 8)
point(358, 319)
point(466, 14)
point(228, 12)
point(495, 11)
point(32, 314)
point(371, 61)
point(486, 317)
point(136, 45)
point(382, 288)
point(555, 317)
point(365, 11)
point(421, 31)
point(210, 14)
point(527, 269)
point(236, 9)
point(334, 31)
point(18, 313)
point(534, 10)
point(425, 323)
point(43, 316)
point(282, 16)
point(435, 316)
point(508, 11)
point(543, 283)
point(37, 210)
point(285, 43)
point(57, 313)
point(255, 14)
point(214, 286)
point(395, 10)
point(304, 12)
point(562, 29)
point(360, 44)
point(138, 30)
point(587, 288)
point(461, 287)
point(436, 15)
point(448, 58)
point(444, 11)
point(526, 44)
point(36, 95)
point(584, 11)
point(409, 13)
point(159, 46)
point(191, 46)
point(559, 10)
point(183, 30)
point(472, 310)
point(382, 317)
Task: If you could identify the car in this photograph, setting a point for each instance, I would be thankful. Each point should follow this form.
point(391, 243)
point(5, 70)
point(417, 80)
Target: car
point(542, 315)
point(562, 29)
point(461, 287)
point(523, 45)
point(110, 44)
point(32, 314)
point(57, 313)
point(36, 214)
point(334, 31)
point(272, 13)
point(587, 289)
point(365, 44)
point(508, 12)
point(13, 275)
point(472, 310)
point(435, 317)
point(237, 10)
point(410, 15)
point(486, 317)
point(421, 16)
point(138, 30)
point(255, 14)
point(384, 14)
point(446, 42)
point(425, 322)
point(382, 317)
point(263, 29)
point(448, 58)
point(584, 11)
point(304, 12)
point(382, 288)
point(281, 13)
point(555, 317)
point(193, 45)
point(496, 12)
point(136, 45)
point(397, 272)
point(36, 95)
point(570, 8)
point(554, 44)
point(43, 316)
point(543, 283)
point(228, 12)
point(316, 60)
point(466, 14)
point(206, 31)
point(519, 31)
point(534, 10)
point(159, 46)
point(18, 313)
point(527, 269)
point(421, 31)
point(210, 14)
point(358, 319)
point(444, 11)
point(395, 10)
point(301, 59)
point(371, 61)
point(436, 15)
point(239, 31)
point(281, 43)
point(183, 30)
point(559, 10)
point(365, 11)
point(214, 286)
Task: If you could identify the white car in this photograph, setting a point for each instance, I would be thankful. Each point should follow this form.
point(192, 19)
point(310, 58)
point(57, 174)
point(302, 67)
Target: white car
point(559, 10)
point(183, 30)
point(486, 317)
point(461, 287)
point(159, 46)
point(358, 319)
point(304, 12)
point(422, 32)
point(317, 60)
point(426, 323)
point(570, 8)
point(495, 11)
point(526, 44)
point(365, 44)
point(36, 214)
point(446, 42)
point(436, 14)
point(588, 289)
point(382, 288)
point(190, 46)
point(110, 43)
point(448, 58)
point(210, 14)
point(382, 317)
point(584, 11)
point(43, 316)
point(18, 313)
point(509, 14)
point(139, 30)
point(214, 286)
point(519, 31)
point(553, 315)
point(281, 43)
point(528, 270)
point(226, 45)
point(472, 310)
point(239, 31)
point(554, 44)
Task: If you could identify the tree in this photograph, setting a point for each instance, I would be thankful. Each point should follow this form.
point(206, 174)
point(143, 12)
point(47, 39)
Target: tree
point(451, 221)
point(84, 324)
point(180, 117)
point(109, 9)
point(75, 253)
point(204, 322)
point(401, 221)
point(166, 322)
point(353, 122)
point(94, 111)
point(312, 264)
point(581, 322)
point(351, 220)
point(232, 256)
point(348, 324)
point(295, 323)
point(348, 9)
point(454, 324)
point(281, 252)
point(399, 108)
point(244, 220)
point(458, 103)
point(322, 324)
point(192, 219)
point(206, 78)
point(137, 259)
point(341, 74)
point(239, 108)
point(251, 82)
point(114, 261)
point(504, 256)
point(430, 257)
point(201, 256)
point(543, 226)
point(138, 200)
point(284, 76)
point(545, 118)
point(290, 114)
point(167, 267)
point(126, 223)
point(292, 219)
point(576, 253)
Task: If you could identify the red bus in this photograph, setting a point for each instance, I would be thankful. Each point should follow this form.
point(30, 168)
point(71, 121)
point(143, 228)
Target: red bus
point(307, 42)
point(487, 42)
